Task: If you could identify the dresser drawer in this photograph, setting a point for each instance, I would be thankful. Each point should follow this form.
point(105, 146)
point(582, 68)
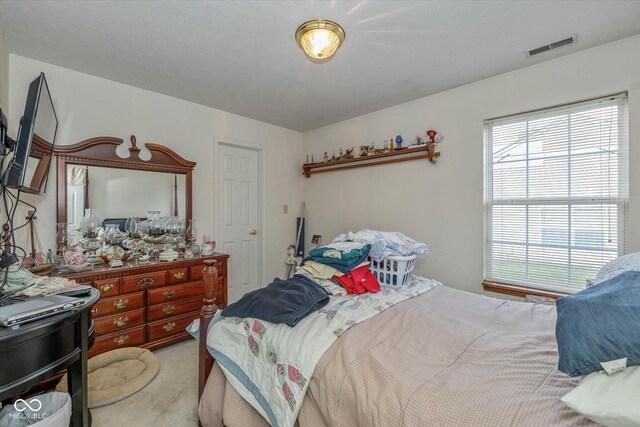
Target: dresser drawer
point(195, 272)
point(174, 308)
point(119, 321)
point(180, 275)
point(170, 326)
point(118, 304)
point(127, 338)
point(172, 293)
point(108, 287)
point(143, 281)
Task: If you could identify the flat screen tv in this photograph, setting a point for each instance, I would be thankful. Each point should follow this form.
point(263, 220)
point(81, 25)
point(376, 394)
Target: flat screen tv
point(29, 168)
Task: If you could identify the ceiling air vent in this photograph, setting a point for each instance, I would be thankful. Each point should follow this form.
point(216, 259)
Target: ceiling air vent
point(546, 48)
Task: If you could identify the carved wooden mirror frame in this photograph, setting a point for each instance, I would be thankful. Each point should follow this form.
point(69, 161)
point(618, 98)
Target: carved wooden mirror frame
point(101, 151)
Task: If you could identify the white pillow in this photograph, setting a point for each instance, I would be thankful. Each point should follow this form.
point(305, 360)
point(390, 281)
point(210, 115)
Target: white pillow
point(611, 400)
point(629, 262)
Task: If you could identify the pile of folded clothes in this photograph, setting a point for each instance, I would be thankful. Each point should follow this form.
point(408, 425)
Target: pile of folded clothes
point(385, 243)
point(340, 268)
point(337, 269)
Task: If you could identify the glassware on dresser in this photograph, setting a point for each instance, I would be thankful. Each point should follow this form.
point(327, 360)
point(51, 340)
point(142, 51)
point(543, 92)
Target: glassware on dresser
point(134, 242)
point(154, 228)
point(91, 241)
point(173, 229)
point(113, 251)
point(61, 238)
point(192, 232)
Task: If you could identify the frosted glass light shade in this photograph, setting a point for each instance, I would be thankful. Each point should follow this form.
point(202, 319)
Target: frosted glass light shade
point(320, 38)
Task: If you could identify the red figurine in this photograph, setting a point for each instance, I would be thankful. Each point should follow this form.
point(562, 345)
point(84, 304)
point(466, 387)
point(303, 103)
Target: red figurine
point(433, 138)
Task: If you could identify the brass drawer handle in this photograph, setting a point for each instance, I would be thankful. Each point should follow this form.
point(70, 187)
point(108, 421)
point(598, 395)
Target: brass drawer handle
point(169, 309)
point(120, 321)
point(169, 293)
point(169, 326)
point(146, 281)
point(121, 339)
point(108, 287)
point(178, 276)
point(121, 303)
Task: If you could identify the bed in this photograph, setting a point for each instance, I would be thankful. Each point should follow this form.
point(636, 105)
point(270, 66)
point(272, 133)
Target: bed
point(445, 357)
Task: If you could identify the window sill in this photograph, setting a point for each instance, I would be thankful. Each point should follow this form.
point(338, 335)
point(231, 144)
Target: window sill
point(519, 291)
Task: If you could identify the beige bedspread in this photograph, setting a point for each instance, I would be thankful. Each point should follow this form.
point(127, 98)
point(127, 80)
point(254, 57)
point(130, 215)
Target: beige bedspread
point(445, 358)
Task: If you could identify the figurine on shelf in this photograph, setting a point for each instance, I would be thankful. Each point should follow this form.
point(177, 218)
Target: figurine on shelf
point(326, 157)
point(399, 142)
point(348, 154)
point(433, 138)
point(356, 151)
point(386, 146)
point(341, 153)
point(419, 141)
point(364, 150)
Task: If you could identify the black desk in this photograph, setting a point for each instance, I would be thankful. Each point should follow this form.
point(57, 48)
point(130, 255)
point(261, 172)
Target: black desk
point(38, 350)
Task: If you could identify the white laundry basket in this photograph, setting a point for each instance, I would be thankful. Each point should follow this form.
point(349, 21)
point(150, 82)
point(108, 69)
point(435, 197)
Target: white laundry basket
point(394, 270)
point(45, 410)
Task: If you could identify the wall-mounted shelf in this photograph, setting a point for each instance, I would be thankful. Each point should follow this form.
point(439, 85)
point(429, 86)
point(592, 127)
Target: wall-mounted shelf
point(412, 153)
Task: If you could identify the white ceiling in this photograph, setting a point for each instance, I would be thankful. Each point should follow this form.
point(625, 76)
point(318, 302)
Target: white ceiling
point(241, 56)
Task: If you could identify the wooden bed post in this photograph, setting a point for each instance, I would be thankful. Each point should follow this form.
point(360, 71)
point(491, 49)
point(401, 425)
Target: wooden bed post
point(210, 279)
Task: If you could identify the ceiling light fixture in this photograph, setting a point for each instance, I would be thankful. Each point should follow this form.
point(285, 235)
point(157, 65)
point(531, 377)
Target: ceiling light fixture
point(320, 39)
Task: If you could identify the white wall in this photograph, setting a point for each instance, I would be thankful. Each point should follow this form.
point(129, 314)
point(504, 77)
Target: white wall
point(89, 106)
point(4, 70)
point(442, 205)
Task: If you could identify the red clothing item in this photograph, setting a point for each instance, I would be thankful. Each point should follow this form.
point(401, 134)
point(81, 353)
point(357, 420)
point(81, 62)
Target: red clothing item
point(359, 280)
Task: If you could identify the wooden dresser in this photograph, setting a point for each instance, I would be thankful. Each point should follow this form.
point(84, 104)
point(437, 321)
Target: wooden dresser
point(150, 305)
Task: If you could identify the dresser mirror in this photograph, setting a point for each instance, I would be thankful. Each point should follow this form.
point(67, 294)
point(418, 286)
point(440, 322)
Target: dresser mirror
point(91, 174)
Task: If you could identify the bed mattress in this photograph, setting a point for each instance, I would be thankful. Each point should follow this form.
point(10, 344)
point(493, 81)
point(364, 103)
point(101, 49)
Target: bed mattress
point(444, 358)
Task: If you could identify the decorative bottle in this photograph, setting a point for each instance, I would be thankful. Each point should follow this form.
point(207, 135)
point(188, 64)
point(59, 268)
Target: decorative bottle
point(90, 224)
point(192, 232)
point(61, 238)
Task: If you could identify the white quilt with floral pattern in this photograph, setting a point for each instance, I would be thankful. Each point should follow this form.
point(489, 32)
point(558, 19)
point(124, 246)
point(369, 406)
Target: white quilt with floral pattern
point(270, 364)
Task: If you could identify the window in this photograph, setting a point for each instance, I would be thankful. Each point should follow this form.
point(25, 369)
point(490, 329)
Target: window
point(556, 190)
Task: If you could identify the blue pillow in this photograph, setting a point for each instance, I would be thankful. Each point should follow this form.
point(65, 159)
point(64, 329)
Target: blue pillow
point(600, 324)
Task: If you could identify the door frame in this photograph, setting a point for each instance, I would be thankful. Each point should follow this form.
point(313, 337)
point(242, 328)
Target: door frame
point(217, 197)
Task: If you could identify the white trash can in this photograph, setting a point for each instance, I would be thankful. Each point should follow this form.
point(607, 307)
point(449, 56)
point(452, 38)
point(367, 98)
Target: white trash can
point(46, 410)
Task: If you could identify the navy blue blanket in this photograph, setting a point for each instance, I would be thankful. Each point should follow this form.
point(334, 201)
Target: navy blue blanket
point(282, 301)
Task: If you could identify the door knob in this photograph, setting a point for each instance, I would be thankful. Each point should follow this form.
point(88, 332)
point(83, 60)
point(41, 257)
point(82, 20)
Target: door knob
point(253, 232)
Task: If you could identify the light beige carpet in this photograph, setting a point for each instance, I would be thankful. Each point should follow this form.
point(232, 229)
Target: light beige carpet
point(171, 399)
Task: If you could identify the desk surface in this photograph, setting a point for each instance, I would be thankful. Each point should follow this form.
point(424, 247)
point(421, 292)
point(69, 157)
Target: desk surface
point(38, 325)
point(35, 351)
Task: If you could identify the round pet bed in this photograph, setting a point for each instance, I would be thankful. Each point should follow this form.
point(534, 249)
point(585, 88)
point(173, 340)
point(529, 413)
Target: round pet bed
point(117, 374)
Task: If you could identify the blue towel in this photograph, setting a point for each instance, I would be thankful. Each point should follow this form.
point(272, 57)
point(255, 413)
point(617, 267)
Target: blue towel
point(342, 268)
point(282, 301)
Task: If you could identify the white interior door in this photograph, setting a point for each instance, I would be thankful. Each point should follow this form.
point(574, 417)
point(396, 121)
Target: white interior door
point(240, 233)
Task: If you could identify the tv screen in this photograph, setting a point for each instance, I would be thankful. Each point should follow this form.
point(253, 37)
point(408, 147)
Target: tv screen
point(29, 168)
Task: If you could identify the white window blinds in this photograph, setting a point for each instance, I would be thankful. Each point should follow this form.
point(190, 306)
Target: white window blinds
point(556, 190)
